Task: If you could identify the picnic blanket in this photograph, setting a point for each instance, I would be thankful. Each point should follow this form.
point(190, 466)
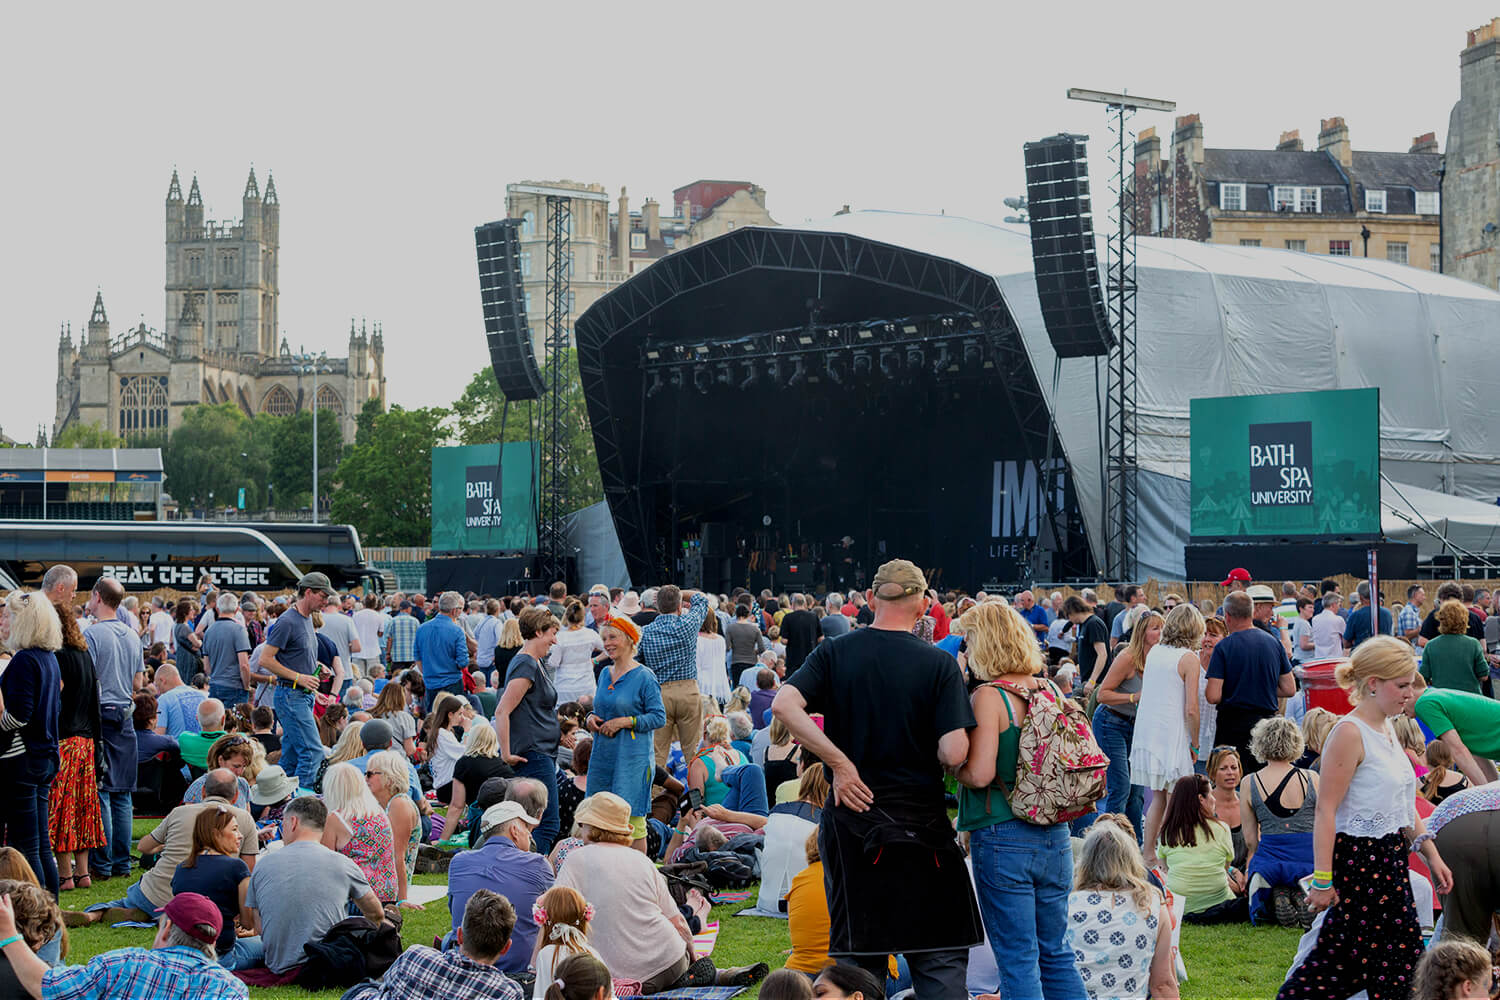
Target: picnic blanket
point(703, 942)
point(733, 895)
point(694, 993)
point(426, 893)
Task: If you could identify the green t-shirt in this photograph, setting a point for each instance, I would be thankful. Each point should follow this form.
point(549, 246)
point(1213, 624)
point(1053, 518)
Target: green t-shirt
point(1455, 662)
point(1199, 873)
point(194, 747)
point(1474, 717)
point(488, 699)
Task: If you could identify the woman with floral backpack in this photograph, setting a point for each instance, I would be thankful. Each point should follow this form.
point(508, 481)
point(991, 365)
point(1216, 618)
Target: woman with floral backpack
point(1023, 870)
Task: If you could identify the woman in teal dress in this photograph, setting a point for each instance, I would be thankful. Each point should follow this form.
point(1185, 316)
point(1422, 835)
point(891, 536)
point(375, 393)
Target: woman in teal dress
point(627, 709)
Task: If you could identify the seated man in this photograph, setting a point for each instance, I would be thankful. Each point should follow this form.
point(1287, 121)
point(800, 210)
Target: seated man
point(177, 703)
point(377, 735)
point(506, 865)
point(181, 964)
point(173, 841)
point(466, 972)
point(299, 892)
point(194, 746)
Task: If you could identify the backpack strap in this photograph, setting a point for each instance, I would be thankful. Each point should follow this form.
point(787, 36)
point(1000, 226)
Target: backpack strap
point(1025, 695)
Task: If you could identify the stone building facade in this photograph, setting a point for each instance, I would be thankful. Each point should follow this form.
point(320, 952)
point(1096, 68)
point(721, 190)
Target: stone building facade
point(1334, 200)
point(607, 250)
point(221, 341)
point(1471, 182)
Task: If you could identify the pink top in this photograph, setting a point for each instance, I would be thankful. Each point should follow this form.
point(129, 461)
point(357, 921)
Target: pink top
point(372, 847)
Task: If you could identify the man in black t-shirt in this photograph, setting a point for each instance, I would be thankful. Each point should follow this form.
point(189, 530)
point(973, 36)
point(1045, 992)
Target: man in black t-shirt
point(1093, 638)
point(896, 713)
point(1454, 592)
point(800, 631)
point(1248, 674)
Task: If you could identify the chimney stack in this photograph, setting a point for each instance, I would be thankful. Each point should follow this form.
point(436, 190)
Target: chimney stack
point(1187, 139)
point(1333, 139)
point(1424, 143)
point(1147, 150)
point(1290, 142)
point(651, 215)
point(622, 232)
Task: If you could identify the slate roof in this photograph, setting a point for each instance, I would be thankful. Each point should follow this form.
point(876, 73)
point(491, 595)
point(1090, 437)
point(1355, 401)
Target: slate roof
point(1260, 170)
point(1272, 166)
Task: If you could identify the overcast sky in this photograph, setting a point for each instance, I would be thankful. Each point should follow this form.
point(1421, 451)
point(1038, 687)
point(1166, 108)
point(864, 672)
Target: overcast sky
point(392, 130)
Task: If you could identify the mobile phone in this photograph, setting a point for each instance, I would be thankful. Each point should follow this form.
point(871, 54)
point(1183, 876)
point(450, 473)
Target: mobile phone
point(694, 799)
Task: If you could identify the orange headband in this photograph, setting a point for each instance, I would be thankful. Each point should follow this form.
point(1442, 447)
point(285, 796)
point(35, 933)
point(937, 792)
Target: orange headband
point(627, 626)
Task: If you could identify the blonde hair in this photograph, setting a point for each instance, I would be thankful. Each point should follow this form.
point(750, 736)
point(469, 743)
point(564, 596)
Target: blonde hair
point(716, 730)
point(739, 700)
point(345, 792)
point(1000, 642)
point(813, 787)
point(33, 622)
point(257, 761)
point(1316, 725)
point(1439, 759)
point(780, 735)
point(1409, 733)
point(1110, 861)
point(1276, 738)
point(391, 768)
point(1138, 630)
point(510, 634)
point(1381, 658)
point(349, 745)
point(1183, 628)
point(480, 740)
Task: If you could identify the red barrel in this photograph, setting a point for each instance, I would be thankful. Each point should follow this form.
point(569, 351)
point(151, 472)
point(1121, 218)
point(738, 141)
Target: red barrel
point(1322, 690)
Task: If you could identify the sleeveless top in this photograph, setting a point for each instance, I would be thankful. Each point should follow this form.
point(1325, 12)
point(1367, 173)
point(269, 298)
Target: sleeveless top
point(408, 849)
point(1381, 799)
point(981, 807)
point(1130, 685)
point(1275, 818)
point(371, 849)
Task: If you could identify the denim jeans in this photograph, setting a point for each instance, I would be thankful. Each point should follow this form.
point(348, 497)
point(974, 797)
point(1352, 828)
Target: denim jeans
point(118, 811)
point(543, 769)
point(457, 687)
point(1114, 735)
point(301, 749)
point(247, 953)
point(228, 694)
point(24, 812)
point(1023, 874)
point(134, 899)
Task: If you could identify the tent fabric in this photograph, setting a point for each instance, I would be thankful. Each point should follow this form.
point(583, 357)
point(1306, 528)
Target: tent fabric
point(1413, 514)
point(1218, 320)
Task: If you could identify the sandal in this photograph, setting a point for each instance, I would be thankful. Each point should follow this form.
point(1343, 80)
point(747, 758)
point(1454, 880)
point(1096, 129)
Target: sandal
point(66, 885)
point(83, 882)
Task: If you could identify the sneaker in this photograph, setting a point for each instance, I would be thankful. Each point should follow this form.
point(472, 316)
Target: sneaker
point(1299, 902)
point(1282, 906)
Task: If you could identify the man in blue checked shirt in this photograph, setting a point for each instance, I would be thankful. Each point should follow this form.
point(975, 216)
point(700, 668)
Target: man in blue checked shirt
point(442, 650)
point(466, 972)
point(179, 963)
point(669, 648)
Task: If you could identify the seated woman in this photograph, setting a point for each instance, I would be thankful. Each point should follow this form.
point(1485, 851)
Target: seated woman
point(234, 752)
point(450, 714)
point(1196, 847)
point(706, 771)
point(1443, 779)
point(573, 785)
point(1224, 772)
point(359, 829)
point(637, 928)
point(14, 867)
point(37, 919)
point(386, 778)
point(479, 763)
point(1316, 725)
point(213, 869)
point(347, 748)
point(779, 758)
point(807, 912)
point(1278, 804)
point(1111, 883)
point(786, 830)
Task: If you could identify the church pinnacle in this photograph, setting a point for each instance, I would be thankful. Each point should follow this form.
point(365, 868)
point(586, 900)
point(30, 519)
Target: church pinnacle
point(270, 189)
point(98, 314)
point(252, 190)
point(174, 190)
point(195, 197)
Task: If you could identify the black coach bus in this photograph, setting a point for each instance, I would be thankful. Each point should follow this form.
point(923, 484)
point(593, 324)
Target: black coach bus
point(148, 555)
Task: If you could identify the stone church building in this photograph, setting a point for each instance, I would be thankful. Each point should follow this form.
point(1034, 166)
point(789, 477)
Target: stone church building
point(220, 344)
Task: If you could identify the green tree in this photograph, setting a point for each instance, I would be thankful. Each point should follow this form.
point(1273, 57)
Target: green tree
point(82, 435)
point(385, 483)
point(478, 415)
point(291, 456)
point(202, 460)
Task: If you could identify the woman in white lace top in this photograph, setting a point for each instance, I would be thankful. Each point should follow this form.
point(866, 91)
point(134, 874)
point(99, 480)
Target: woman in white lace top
point(1366, 820)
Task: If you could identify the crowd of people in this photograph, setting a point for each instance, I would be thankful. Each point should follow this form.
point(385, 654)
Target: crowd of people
point(1053, 783)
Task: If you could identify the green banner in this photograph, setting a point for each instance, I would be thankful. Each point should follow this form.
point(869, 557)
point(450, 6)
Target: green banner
point(483, 499)
point(1290, 465)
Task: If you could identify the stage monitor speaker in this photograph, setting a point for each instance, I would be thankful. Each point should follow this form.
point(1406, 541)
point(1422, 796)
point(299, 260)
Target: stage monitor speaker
point(1064, 258)
point(715, 539)
point(505, 327)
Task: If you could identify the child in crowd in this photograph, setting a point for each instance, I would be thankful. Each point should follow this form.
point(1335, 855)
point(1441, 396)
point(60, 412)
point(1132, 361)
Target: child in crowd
point(1441, 780)
point(562, 918)
point(1454, 969)
point(784, 984)
point(582, 977)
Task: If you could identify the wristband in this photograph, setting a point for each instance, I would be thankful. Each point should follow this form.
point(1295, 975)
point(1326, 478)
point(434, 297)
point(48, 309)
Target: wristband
point(1322, 875)
point(10, 940)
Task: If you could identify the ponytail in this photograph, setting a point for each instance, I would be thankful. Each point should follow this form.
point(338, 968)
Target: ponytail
point(580, 977)
point(1439, 760)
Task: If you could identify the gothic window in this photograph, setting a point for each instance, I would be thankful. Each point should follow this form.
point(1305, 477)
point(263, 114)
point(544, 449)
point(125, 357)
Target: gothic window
point(195, 263)
point(329, 400)
point(227, 299)
point(228, 263)
point(143, 405)
point(278, 402)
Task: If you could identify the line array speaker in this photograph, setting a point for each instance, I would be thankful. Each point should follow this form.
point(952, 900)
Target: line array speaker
point(498, 245)
point(1063, 254)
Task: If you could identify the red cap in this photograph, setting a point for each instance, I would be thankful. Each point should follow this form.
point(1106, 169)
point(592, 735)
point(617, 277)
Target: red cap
point(196, 916)
point(1237, 575)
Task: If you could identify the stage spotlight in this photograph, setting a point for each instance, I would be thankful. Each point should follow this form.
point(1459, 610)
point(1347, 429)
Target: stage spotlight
point(655, 385)
point(836, 367)
point(890, 363)
point(674, 378)
point(915, 359)
point(944, 359)
point(862, 363)
point(752, 375)
point(723, 376)
point(703, 378)
point(973, 352)
point(799, 374)
point(773, 372)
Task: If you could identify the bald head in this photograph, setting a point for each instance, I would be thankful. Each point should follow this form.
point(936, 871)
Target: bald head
point(109, 592)
point(220, 783)
point(167, 678)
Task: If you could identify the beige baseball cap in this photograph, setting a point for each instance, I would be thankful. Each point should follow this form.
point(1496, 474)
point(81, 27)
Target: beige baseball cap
point(902, 573)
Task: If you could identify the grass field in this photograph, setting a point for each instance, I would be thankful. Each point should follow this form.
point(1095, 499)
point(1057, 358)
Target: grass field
point(1224, 963)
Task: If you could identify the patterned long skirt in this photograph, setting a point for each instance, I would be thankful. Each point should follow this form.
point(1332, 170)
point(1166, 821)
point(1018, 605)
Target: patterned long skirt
point(74, 822)
point(1370, 939)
